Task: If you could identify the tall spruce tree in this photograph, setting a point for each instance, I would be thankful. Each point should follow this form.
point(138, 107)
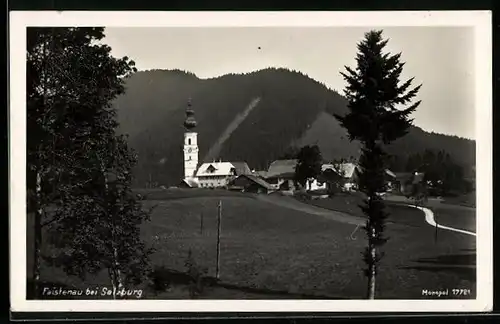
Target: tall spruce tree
point(376, 117)
point(72, 151)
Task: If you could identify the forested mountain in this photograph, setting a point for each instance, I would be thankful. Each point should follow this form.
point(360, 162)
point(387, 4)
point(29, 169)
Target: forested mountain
point(254, 117)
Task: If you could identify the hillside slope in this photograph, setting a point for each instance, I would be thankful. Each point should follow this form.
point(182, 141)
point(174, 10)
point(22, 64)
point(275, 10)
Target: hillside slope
point(253, 117)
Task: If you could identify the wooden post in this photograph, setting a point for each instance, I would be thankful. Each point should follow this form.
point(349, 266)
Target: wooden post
point(436, 234)
point(219, 215)
point(201, 223)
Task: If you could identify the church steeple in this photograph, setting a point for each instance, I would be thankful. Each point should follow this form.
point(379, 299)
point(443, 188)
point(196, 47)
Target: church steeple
point(190, 144)
point(190, 122)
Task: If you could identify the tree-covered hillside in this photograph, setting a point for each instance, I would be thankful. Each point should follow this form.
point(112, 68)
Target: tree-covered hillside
point(291, 110)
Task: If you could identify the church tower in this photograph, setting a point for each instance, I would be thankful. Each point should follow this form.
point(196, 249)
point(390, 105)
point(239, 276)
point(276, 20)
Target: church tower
point(190, 144)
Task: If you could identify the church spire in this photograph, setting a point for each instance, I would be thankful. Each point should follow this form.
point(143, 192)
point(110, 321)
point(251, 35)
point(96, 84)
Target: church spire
point(190, 122)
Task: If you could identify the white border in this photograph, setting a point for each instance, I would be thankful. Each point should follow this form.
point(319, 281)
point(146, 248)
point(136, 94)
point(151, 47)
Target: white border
point(479, 20)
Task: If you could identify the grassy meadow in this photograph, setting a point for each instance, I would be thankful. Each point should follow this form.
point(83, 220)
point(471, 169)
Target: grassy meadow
point(270, 251)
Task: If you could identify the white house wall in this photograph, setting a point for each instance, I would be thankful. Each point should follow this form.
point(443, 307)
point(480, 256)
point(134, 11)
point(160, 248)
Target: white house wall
point(314, 185)
point(213, 181)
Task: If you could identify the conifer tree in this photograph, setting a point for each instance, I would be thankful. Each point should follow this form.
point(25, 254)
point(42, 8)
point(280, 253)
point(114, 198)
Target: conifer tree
point(379, 113)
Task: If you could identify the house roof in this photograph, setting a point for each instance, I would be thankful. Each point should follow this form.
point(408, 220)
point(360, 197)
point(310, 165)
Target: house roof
point(215, 169)
point(346, 169)
point(241, 168)
point(281, 168)
point(262, 173)
point(256, 180)
point(190, 183)
point(325, 167)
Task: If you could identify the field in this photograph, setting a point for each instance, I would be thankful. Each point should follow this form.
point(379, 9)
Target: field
point(445, 213)
point(273, 248)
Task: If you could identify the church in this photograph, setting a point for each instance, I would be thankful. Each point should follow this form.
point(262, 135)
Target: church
point(207, 175)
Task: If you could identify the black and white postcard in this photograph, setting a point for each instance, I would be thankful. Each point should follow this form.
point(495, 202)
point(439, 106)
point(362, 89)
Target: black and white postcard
point(251, 161)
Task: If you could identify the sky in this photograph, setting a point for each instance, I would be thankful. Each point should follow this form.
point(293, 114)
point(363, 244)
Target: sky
point(439, 58)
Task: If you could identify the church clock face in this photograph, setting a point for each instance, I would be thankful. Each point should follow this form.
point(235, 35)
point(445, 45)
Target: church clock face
point(189, 150)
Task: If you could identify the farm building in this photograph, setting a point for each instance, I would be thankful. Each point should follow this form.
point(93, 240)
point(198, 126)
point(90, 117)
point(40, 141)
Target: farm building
point(260, 173)
point(215, 174)
point(405, 180)
point(281, 174)
point(250, 183)
point(347, 175)
point(240, 168)
point(189, 183)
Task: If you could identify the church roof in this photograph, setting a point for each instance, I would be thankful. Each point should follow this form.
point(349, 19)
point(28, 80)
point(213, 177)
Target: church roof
point(190, 122)
point(215, 169)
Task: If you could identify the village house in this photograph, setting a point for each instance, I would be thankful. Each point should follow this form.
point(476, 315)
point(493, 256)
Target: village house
point(281, 175)
point(260, 173)
point(237, 175)
point(345, 176)
point(405, 180)
point(250, 183)
point(215, 174)
point(241, 168)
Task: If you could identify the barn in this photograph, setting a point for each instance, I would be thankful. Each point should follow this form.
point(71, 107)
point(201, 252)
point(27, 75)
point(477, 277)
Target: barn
point(250, 183)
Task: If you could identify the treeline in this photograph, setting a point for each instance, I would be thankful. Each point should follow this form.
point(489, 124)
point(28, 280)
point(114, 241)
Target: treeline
point(443, 175)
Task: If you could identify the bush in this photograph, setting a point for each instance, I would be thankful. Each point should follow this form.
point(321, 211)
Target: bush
point(303, 196)
point(160, 279)
point(319, 192)
point(196, 274)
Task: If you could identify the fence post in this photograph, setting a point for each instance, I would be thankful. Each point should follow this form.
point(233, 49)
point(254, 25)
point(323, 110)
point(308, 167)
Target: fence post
point(201, 223)
point(436, 233)
point(219, 216)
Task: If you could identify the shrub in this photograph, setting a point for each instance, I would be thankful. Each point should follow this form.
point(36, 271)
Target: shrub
point(304, 196)
point(196, 274)
point(159, 279)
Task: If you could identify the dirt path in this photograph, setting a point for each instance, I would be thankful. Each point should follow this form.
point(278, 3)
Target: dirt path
point(291, 203)
point(429, 218)
point(431, 202)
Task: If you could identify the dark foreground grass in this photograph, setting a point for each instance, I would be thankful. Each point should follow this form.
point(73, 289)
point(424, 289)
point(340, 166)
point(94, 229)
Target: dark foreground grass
point(460, 218)
point(265, 247)
point(468, 200)
point(262, 245)
point(416, 246)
